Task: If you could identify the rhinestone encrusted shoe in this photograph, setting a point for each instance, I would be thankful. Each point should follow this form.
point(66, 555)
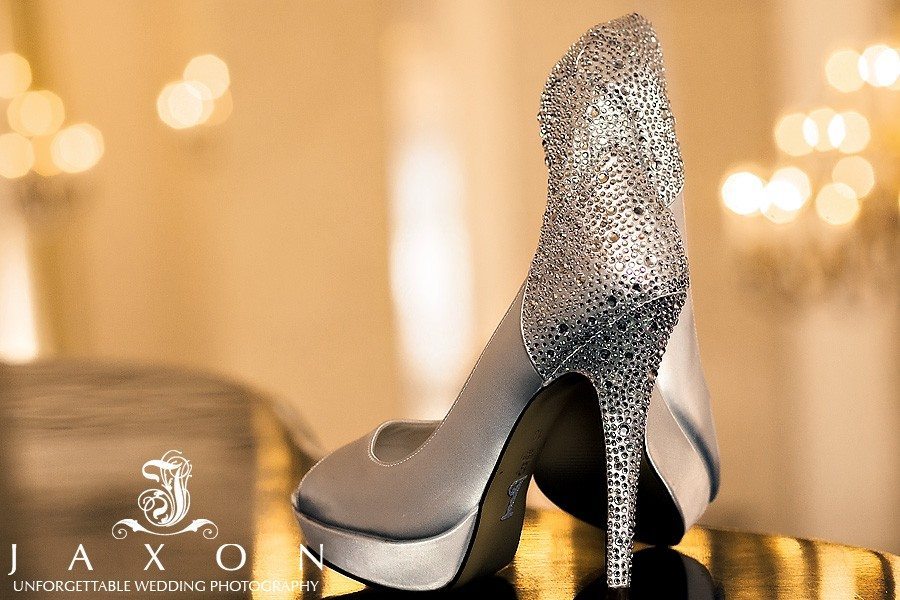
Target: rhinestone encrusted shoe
point(679, 474)
point(428, 505)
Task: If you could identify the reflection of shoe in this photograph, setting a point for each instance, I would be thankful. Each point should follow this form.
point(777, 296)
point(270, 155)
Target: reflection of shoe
point(661, 574)
point(421, 506)
point(680, 470)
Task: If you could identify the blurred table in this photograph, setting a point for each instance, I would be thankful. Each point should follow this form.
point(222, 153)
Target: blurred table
point(76, 437)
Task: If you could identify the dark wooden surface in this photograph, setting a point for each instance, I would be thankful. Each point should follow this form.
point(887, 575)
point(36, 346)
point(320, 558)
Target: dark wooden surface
point(74, 438)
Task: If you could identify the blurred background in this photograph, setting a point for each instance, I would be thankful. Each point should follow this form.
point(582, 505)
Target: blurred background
point(335, 202)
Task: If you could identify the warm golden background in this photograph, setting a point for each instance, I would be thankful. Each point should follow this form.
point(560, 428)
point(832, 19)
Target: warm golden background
point(349, 225)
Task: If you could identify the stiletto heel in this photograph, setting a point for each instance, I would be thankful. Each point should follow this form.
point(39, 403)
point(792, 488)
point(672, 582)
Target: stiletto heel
point(427, 505)
point(621, 363)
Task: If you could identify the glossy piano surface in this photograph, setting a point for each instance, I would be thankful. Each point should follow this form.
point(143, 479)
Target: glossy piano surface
point(76, 436)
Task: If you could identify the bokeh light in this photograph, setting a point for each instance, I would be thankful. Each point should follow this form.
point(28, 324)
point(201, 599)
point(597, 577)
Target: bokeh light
point(819, 132)
point(184, 104)
point(15, 75)
point(856, 132)
point(742, 193)
point(837, 131)
point(790, 135)
point(810, 132)
point(16, 155)
point(879, 65)
point(36, 113)
point(778, 215)
point(77, 148)
point(43, 156)
point(211, 71)
point(855, 172)
point(782, 198)
point(798, 181)
point(837, 204)
point(842, 71)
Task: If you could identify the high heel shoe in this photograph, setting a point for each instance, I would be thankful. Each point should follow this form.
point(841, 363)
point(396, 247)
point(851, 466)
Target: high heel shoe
point(423, 505)
point(680, 465)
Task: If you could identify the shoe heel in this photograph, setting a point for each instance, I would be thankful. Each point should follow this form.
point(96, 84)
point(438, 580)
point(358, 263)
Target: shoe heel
point(621, 361)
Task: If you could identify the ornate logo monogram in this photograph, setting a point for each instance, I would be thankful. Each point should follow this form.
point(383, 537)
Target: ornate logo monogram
point(513, 493)
point(166, 505)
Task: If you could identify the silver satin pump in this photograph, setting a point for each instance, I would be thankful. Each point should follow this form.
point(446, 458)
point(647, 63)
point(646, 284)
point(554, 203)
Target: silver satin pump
point(423, 505)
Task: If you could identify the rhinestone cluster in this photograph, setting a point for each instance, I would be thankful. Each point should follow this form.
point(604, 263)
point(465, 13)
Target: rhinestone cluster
point(608, 241)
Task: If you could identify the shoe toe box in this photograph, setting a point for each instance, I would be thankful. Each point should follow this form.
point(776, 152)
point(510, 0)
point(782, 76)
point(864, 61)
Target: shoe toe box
point(328, 491)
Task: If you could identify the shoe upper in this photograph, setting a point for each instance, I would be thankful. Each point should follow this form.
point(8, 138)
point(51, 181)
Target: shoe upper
point(608, 241)
point(682, 385)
